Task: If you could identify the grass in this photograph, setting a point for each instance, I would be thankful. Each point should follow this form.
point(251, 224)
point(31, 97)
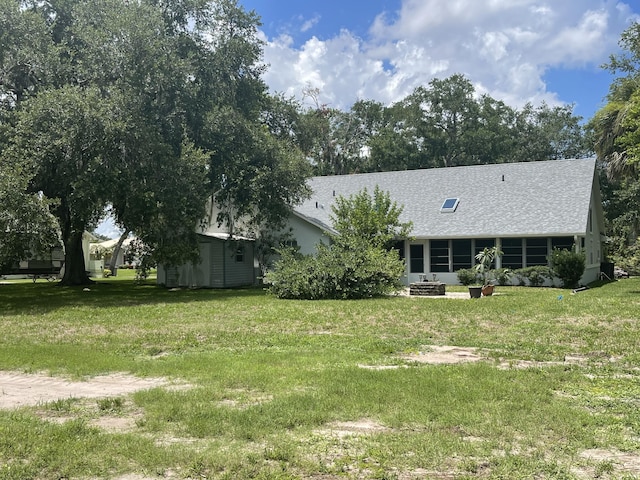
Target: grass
point(274, 387)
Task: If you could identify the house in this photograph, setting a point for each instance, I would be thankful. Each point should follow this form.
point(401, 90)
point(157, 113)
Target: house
point(527, 209)
point(50, 265)
point(102, 252)
point(225, 261)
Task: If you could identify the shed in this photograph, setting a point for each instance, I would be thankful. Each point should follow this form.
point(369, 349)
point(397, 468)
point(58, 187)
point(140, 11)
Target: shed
point(225, 261)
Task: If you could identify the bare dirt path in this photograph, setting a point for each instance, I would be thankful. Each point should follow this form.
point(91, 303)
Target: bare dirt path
point(20, 390)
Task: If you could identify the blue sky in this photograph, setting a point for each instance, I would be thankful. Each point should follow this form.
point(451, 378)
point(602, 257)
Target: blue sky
point(515, 50)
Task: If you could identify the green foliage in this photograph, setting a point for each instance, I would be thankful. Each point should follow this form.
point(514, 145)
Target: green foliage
point(27, 227)
point(144, 107)
point(359, 263)
point(615, 131)
point(568, 266)
point(502, 275)
point(256, 175)
point(350, 268)
point(628, 258)
point(467, 276)
point(376, 218)
point(445, 123)
point(534, 276)
point(293, 276)
point(485, 259)
point(113, 405)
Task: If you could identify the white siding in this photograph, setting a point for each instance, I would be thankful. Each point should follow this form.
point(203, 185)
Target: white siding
point(306, 235)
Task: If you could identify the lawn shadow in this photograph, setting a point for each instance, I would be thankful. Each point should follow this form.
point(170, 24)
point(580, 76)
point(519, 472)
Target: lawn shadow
point(28, 298)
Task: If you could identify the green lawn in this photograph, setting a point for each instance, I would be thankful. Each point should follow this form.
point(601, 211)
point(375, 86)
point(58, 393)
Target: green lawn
point(326, 389)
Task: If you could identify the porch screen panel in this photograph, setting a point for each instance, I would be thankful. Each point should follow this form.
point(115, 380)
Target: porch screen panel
point(536, 251)
point(562, 243)
point(416, 262)
point(439, 254)
point(462, 257)
point(481, 244)
point(512, 248)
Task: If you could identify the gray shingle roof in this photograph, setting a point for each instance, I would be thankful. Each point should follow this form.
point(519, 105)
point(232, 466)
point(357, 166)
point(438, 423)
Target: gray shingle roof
point(503, 200)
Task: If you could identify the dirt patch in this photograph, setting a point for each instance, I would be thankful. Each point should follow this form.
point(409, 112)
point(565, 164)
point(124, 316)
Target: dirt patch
point(116, 424)
point(22, 390)
point(616, 462)
point(363, 426)
point(444, 354)
point(568, 360)
point(448, 354)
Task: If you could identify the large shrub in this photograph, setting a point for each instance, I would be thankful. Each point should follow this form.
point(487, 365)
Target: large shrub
point(359, 263)
point(350, 268)
point(374, 218)
point(293, 276)
point(568, 266)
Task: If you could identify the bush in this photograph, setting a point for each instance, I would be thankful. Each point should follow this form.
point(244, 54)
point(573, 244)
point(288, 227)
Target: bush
point(467, 276)
point(359, 263)
point(568, 266)
point(292, 277)
point(534, 276)
point(350, 268)
point(629, 258)
point(502, 276)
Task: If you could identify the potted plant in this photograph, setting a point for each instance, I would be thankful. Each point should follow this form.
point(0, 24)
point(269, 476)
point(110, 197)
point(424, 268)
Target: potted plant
point(485, 260)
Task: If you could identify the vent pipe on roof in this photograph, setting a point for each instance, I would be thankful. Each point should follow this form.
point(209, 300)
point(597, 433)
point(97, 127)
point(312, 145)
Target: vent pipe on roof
point(334, 193)
point(503, 178)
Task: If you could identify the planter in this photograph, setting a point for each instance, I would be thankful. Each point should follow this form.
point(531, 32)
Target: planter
point(487, 290)
point(475, 292)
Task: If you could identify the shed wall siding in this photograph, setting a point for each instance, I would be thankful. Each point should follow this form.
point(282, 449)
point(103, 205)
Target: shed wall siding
point(239, 273)
point(217, 266)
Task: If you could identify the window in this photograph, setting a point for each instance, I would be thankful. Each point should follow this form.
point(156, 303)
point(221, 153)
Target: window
point(481, 244)
point(461, 251)
point(240, 255)
point(536, 251)
point(439, 254)
point(449, 205)
point(562, 243)
point(512, 248)
point(417, 258)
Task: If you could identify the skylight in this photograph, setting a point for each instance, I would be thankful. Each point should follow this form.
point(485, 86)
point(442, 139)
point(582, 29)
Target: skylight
point(449, 205)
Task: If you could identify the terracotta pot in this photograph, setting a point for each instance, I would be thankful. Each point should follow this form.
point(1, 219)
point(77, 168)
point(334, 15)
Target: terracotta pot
point(487, 290)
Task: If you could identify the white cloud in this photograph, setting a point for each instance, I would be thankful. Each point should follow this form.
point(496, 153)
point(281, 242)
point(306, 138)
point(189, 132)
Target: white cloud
point(503, 46)
point(309, 24)
point(582, 42)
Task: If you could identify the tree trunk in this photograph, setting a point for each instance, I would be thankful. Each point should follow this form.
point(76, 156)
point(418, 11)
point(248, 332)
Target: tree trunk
point(74, 267)
point(116, 251)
